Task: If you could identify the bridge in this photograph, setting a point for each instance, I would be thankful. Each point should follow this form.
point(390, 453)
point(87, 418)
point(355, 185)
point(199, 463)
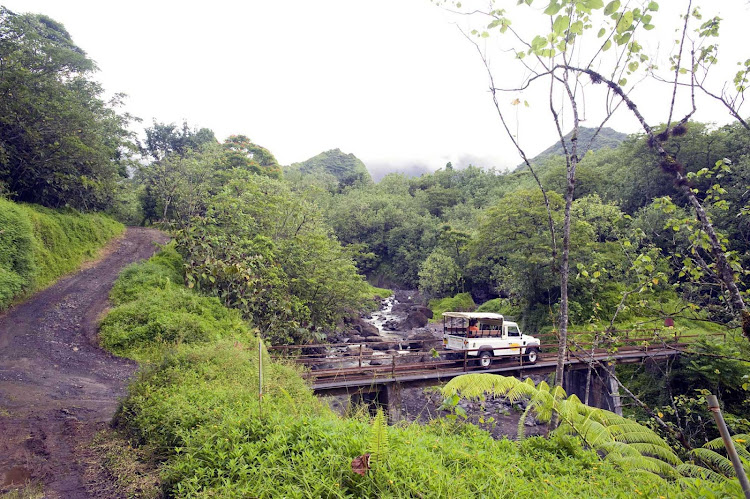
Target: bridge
point(366, 374)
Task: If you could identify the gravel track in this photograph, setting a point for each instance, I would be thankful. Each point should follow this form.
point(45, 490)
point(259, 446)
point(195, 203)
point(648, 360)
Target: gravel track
point(57, 387)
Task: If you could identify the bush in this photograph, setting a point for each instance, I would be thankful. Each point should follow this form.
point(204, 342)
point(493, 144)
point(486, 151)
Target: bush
point(38, 245)
point(160, 271)
point(500, 306)
point(462, 302)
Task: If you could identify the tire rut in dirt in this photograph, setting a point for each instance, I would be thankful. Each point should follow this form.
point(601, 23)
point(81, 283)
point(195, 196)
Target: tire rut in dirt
point(57, 387)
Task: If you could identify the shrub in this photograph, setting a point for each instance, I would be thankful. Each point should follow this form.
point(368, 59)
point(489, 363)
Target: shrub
point(167, 317)
point(500, 306)
point(462, 302)
point(137, 279)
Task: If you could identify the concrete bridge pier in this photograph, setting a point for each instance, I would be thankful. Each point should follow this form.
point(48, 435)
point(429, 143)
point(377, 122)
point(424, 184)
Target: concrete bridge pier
point(604, 392)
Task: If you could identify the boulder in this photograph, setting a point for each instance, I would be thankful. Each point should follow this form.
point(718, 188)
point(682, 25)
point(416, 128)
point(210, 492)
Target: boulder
point(414, 320)
point(424, 341)
point(426, 311)
point(384, 345)
point(391, 325)
point(400, 308)
point(365, 328)
point(356, 338)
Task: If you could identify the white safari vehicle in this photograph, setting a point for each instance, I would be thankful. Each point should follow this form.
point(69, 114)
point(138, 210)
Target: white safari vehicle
point(487, 335)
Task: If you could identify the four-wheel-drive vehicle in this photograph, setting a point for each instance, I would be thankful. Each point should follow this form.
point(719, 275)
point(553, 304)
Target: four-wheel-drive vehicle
point(486, 336)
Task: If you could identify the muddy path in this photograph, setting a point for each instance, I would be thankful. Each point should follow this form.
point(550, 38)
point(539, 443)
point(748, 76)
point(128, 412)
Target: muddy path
point(57, 387)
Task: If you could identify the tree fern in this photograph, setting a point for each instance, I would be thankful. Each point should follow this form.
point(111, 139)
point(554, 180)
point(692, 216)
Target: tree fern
point(715, 460)
point(695, 471)
point(710, 455)
point(378, 446)
point(631, 445)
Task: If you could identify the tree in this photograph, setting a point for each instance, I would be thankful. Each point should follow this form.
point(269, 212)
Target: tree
point(242, 153)
point(163, 139)
point(60, 142)
point(568, 59)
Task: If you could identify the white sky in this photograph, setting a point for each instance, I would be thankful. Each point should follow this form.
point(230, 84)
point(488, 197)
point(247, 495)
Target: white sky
point(392, 81)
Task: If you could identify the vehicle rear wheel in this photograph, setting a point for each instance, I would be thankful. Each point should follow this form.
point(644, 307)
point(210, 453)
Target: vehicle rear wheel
point(532, 354)
point(485, 359)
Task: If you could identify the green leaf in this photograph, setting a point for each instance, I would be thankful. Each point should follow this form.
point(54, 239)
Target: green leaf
point(611, 7)
point(553, 8)
point(560, 24)
point(593, 4)
point(601, 33)
point(538, 43)
point(653, 6)
point(607, 45)
point(625, 22)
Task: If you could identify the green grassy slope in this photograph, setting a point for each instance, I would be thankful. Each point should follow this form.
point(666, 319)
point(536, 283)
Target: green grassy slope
point(38, 245)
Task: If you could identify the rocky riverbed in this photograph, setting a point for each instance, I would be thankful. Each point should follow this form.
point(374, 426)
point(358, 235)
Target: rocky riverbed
point(401, 327)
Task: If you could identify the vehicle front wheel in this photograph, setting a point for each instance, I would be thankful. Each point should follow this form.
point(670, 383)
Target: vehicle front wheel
point(485, 359)
point(532, 354)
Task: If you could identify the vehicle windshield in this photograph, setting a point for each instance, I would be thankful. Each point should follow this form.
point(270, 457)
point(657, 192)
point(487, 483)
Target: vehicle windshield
point(513, 330)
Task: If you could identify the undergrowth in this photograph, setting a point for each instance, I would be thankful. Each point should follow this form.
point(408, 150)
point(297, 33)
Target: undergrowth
point(196, 410)
point(38, 245)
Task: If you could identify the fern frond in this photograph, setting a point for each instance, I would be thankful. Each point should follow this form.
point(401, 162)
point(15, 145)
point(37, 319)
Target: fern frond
point(716, 460)
point(643, 435)
point(644, 463)
point(664, 453)
point(740, 440)
point(695, 471)
point(622, 428)
point(378, 447)
point(615, 448)
point(521, 391)
point(522, 422)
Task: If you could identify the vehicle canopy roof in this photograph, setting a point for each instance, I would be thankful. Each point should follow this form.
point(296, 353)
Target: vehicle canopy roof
point(483, 317)
point(473, 315)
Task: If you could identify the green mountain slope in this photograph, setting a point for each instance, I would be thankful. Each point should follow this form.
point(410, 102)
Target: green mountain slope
point(607, 137)
point(346, 168)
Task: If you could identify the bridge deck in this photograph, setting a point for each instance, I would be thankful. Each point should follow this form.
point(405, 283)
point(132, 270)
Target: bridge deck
point(342, 380)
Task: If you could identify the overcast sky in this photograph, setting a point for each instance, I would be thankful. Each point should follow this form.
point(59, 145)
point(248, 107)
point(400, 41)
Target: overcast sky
point(392, 81)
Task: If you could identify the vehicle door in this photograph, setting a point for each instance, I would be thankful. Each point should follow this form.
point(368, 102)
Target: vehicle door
point(513, 336)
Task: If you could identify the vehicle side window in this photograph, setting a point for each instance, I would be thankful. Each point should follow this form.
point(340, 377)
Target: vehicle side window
point(513, 331)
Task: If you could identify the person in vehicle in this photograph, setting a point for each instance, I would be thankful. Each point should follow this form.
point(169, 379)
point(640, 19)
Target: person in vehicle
point(473, 327)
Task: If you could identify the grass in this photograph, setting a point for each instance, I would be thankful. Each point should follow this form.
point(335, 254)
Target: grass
point(31, 491)
point(38, 245)
point(373, 296)
point(194, 418)
point(132, 468)
point(156, 313)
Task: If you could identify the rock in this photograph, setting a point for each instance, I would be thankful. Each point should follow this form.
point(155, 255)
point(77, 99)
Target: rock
point(391, 325)
point(414, 320)
point(356, 338)
point(404, 358)
point(314, 351)
point(384, 345)
point(424, 341)
point(353, 351)
point(426, 311)
point(400, 308)
point(364, 328)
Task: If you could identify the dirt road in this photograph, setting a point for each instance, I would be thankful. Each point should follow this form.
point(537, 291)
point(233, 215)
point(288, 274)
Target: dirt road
point(57, 387)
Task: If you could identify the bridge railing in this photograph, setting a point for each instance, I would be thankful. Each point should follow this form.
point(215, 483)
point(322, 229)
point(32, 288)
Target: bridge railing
point(347, 359)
